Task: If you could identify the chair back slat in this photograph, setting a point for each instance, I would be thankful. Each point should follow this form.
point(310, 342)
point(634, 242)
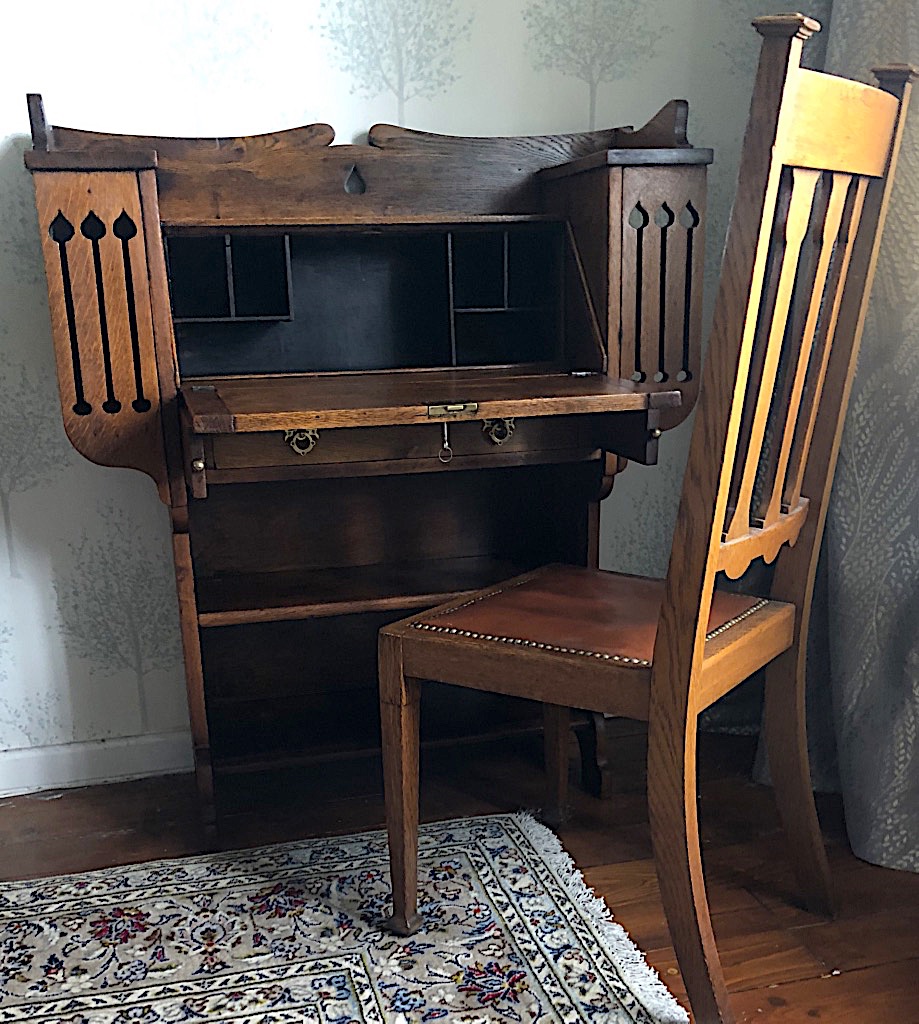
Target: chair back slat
point(793, 361)
point(763, 302)
point(843, 217)
point(823, 232)
point(805, 280)
point(762, 386)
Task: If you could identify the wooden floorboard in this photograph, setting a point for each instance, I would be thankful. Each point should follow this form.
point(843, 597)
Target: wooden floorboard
point(783, 964)
point(881, 995)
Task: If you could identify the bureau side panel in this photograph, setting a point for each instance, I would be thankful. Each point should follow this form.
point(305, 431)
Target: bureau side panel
point(92, 238)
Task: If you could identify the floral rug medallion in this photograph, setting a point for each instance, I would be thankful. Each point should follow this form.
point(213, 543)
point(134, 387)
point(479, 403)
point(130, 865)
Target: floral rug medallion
point(291, 933)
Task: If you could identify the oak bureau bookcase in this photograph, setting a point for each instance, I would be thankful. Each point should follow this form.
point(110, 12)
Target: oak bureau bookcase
point(365, 378)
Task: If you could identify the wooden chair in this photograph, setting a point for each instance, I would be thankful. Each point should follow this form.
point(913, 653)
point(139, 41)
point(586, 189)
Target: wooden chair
point(815, 174)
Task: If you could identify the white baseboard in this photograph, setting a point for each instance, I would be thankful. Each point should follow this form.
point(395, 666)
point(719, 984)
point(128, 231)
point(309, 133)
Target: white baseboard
point(82, 764)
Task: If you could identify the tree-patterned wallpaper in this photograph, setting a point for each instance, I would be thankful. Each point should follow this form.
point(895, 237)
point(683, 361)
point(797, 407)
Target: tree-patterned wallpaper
point(596, 42)
point(88, 654)
point(403, 50)
point(115, 606)
point(33, 452)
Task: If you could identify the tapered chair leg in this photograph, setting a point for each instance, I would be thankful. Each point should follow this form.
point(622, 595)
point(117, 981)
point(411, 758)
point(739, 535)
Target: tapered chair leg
point(556, 738)
point(400, 714)
point(789, 766)
point(675, 839)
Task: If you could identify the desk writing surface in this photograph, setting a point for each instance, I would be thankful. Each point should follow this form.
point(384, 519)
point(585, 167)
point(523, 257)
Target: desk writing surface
point(249, 404)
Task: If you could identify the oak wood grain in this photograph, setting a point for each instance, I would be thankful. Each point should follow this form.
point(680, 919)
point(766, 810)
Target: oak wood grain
point(286, 403)
point(98, 337)
point(194, 674)
point(880, 993)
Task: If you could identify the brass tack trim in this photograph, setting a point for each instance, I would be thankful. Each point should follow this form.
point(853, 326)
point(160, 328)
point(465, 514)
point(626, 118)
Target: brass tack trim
point(620, 659)
point(430, 628)
point(737, 618)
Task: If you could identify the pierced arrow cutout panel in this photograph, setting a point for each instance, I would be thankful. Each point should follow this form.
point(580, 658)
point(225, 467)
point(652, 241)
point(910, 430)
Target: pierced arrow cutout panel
point(662, 250)
point(101, 317)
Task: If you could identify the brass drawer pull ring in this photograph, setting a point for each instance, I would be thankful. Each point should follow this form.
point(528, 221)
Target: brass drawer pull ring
point(302, 441)
point(446, 452)
point(499, 430)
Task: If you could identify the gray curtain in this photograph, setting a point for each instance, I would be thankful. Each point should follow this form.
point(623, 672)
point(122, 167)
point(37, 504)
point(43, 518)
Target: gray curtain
point(864, 701)
point(863, 655)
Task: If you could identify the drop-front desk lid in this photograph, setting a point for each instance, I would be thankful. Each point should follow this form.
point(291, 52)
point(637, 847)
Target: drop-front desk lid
point(248, 404)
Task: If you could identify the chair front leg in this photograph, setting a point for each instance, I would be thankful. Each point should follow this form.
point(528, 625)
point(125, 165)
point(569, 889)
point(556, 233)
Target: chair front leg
point(678, 859)
point(399, 722)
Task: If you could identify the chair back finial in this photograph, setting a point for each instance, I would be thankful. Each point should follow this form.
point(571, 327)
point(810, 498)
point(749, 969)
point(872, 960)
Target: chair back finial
point(788, 26)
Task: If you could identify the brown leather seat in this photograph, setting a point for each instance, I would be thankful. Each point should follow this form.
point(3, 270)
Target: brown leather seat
point(572, 610)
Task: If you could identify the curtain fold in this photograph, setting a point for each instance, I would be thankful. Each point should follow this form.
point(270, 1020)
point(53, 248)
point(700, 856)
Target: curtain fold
point(865, 652)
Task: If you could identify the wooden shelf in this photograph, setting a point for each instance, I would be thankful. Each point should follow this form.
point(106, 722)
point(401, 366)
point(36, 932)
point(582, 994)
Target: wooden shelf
point(252, 404)
point(272, 761)
point(236, 599)
point(499, 309)
point(301, 222)
point(287, 740)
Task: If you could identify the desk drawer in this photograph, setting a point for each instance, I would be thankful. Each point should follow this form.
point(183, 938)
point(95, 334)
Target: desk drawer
point(418, 441)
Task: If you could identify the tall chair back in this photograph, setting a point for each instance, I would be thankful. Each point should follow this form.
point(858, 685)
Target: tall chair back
point(815, 176)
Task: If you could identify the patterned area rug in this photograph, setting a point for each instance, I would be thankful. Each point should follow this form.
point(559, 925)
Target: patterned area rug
point(291, 933)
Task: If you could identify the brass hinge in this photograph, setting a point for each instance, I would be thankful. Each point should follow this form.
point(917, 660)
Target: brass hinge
point(452, 409)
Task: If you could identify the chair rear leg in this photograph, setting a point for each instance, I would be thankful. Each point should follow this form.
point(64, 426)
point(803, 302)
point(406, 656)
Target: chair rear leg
point(556, 739)
point(400, 714)
point(789, 766)
point(595, 744)
point(675, 839)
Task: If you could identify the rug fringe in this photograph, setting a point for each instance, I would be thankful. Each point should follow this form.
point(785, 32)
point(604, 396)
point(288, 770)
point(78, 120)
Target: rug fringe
point(641, 978)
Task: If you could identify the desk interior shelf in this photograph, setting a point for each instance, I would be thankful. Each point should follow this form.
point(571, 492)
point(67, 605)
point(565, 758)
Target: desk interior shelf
point(237, 598)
